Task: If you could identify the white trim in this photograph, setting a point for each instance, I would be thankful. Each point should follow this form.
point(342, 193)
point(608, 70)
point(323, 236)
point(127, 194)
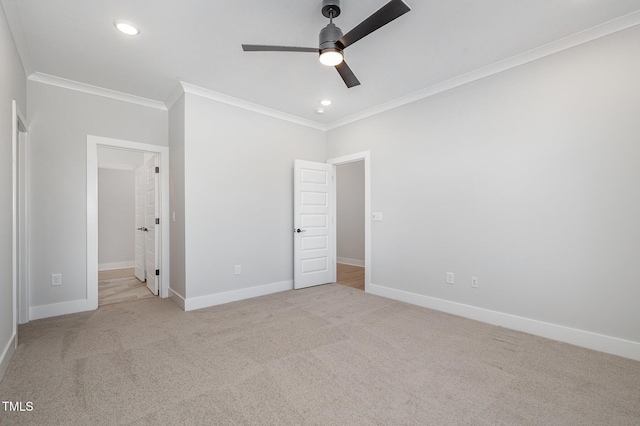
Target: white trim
point(230, 100)
point(62, 308)
point(14, 216)
point(22, 187)
point(95, 90)
point(116, 265)
point(351, 262)
point(177, 299)
point(92, 210)
point(7, 354)
point(366, 157)
point(18, 239)
point(175, 94)
point(193, 303)
point(586, 339)
point(540, 52)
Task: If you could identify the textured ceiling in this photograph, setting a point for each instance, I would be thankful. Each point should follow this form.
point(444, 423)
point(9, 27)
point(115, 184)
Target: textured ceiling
point(199, 42)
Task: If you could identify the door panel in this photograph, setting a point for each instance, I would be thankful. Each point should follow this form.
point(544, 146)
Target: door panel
point(151, 213)
point(140, 222)
point(314, 226)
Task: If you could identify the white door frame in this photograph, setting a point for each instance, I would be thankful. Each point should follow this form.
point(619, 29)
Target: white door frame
point(92, 210)
point(19, 240)
point(366, 157)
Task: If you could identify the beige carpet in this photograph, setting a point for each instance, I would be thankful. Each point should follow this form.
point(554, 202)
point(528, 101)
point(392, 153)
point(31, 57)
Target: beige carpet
point(328, 355)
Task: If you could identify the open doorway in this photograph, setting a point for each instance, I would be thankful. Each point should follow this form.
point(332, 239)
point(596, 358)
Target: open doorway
point(156, 160)
point(314, 226)
point(126, 201)
point(350, 225)
point(353, 216)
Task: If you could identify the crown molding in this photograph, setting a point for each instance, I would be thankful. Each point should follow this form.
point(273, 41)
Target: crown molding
point(230, 100)
point(174, 96)
point(95, 90)
point(540, 52)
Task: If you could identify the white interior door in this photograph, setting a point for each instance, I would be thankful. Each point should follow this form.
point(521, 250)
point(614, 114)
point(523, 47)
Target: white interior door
point(151, 214)
point(314, 224)
point(140, 202)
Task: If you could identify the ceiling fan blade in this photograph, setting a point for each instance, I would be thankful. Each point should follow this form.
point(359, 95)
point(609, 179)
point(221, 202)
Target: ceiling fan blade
point(384, 15)
point(262, 48)
point(347, 75)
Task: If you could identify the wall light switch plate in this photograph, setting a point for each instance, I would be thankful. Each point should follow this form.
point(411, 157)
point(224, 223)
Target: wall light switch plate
point(376, 216)
point(238, 269)
point(449, 277)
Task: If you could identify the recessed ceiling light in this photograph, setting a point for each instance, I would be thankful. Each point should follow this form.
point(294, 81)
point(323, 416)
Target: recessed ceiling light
point(325, 102)
point(126, 27)
point(320, 111)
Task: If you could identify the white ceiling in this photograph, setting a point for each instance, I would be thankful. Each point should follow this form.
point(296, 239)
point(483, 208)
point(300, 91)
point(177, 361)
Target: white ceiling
point(198, 42)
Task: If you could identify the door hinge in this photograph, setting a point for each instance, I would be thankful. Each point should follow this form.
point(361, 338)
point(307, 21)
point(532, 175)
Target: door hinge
point(157, 272)
point(157, 221)
point(157, 169)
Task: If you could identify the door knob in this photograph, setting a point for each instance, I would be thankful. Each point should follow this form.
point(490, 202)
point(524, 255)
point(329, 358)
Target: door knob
point(299, 230)
point(143, 229)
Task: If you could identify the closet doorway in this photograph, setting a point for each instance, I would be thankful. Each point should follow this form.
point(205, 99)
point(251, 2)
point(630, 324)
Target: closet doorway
point(127, 208)
point(350, 226)
point(353, 219)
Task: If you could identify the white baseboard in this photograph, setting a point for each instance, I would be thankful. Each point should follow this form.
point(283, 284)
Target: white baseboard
point(116, 265)
point(193, 303)
point(586, 339)
point(177, 299)
point(64, 308)
point(7, 354)
point(352, 262)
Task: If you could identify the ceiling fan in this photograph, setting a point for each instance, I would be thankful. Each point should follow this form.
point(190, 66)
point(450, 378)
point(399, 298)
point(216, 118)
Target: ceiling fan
point(333, 42)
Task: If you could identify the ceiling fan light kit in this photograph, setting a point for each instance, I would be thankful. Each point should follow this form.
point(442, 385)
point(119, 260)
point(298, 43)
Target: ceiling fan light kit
point(330, 51)
point(331, 57)
point(332, 42)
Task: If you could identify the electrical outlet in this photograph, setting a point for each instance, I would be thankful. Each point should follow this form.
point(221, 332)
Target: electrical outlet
point(449, 277)
point(474, 282)
point(56, 279)
point(238, 269)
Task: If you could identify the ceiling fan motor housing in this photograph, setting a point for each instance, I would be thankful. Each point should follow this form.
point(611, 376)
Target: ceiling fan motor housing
point(331, 8)
point(329, 37)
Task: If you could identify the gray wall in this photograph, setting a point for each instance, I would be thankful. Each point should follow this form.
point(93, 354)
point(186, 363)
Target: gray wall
point(527, 179)
point(116, 218)
point(239, 195)
point(12, 86)
point(350, 213)
point(60, 120)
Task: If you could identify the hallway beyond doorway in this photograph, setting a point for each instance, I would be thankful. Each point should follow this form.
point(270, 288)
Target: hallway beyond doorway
point(350, 276)
point(120, 285)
